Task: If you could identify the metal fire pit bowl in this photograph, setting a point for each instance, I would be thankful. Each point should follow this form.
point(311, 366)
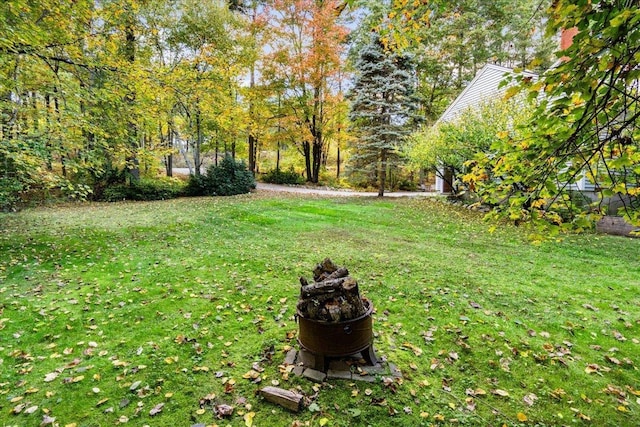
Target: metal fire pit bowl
point(338, 339)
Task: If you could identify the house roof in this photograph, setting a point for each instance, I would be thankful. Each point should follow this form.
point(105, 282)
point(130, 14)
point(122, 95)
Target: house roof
point(485, 85)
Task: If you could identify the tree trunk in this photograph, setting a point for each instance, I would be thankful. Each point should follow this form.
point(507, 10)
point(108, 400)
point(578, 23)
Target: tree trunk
point(196, 152)
point(253, 149)
point(130, 97)
point(306, 148)
point(382, 172)
point(338, 163)
point(170, 139)
point(317, 161)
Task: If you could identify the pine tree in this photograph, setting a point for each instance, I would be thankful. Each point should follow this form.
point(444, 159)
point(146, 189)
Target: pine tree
point(383, 109)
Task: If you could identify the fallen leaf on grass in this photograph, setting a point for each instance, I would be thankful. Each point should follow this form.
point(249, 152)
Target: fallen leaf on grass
point(530, 399)
point(156, 409)
point(248, 419)
point(617, 335)
point(499, 392)
point(18, 408)
point(476, 392)
point(416, 350)
point(522, 417)
point(251, 375)
point(223, 410)
point(612, 359)
point(50, 377)
point(47, 420)
point(31, 410)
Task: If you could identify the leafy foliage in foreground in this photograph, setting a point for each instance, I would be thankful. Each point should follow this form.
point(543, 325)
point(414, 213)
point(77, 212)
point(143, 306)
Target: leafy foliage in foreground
point(586, 124)
point(149, 313)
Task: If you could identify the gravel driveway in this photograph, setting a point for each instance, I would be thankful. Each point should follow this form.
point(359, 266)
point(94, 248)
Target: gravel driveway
point(325, 190)
point(344, 193)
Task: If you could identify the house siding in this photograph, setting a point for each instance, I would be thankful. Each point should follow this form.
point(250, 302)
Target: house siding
point(484, 86)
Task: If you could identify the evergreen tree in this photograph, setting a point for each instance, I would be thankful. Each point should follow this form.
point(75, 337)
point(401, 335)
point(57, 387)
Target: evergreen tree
point(383, 110)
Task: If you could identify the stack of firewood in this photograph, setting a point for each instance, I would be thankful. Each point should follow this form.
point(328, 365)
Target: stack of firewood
point(333, 295)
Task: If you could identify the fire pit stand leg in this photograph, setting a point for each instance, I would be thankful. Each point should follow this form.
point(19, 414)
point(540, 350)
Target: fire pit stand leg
point(369, 355)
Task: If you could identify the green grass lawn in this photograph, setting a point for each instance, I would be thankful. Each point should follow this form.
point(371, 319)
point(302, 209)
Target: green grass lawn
point(153, 314)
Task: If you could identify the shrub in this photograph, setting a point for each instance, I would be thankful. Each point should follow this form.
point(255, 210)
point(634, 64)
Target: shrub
point(146, 189)
point(279, 176)
point(406, 184)
point(10, 189)
point(228, 178)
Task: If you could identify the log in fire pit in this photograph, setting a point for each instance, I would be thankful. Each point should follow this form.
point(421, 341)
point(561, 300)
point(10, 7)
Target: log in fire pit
point(333, 320)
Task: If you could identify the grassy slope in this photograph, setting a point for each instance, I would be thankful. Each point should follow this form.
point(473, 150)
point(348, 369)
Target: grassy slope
point(185, 296)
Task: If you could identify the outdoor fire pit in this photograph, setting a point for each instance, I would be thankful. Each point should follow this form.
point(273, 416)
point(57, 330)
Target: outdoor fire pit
point(333, 320)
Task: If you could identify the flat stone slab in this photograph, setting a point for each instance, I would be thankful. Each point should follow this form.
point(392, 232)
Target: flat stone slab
point(378, 369)
point(395, 371)
point(365, 378)
point(290, 358)
point(339, 375)
point(315, 376)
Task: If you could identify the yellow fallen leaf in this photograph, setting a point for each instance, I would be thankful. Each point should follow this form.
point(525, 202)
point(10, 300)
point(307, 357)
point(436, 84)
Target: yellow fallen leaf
point(522, 417)
point(200, 411)
point(501, 393)
point(323, 421)
point(248, 418)
point(251, 375)
point(591, 368)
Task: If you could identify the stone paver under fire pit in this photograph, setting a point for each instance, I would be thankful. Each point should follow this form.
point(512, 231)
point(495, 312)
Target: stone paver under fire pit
point(352, 368)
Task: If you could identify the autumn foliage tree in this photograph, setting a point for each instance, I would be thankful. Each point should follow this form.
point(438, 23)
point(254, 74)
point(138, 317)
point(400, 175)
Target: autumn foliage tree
point(306, 58)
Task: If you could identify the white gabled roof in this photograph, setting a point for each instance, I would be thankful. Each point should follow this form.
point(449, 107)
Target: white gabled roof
point(484, 86)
